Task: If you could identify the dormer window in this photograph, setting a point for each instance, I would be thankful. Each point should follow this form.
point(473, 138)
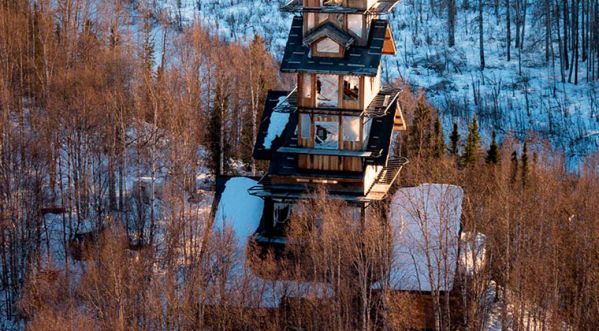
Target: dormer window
point(326, 3)
point(327, 46)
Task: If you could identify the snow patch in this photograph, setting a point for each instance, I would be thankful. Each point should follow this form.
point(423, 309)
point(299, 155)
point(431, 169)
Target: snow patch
point(278, 121)
point(238, 209)
point(240, 213)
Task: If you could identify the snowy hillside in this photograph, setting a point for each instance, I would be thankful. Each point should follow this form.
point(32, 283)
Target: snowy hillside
point(527, 100)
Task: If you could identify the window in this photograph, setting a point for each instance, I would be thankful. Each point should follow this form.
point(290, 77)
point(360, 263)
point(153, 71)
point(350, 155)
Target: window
point(331, 2)
point(310, 19)
point(322, 18)
point(307, 85)
point(326, 135)
point(306, 124)
point(327, 90)
point(351, 88)
point(366, 130)
point(355, 24)
point(351, 128)
point(327, 45)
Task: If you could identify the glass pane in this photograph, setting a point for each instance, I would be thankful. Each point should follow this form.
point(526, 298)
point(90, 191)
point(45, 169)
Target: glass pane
point(310, 17)
point(327, 45)
point(351, 88)
point(305, 123)
point(326, 135)
point(366, 130)
point(354, 22)
point(327, 88)
point(307, 86)
point(332, 2)
point(322, 18)
point(351, 128)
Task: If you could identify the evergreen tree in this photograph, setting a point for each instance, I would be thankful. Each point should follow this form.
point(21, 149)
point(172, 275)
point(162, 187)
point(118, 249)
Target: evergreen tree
point(439, 147)
point(493, 152)
point(472, 148)
point(420, 140)
point(524, 164)
point(455, 140)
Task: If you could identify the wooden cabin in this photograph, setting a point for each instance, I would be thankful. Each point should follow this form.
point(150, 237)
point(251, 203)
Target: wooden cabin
point(336, 128)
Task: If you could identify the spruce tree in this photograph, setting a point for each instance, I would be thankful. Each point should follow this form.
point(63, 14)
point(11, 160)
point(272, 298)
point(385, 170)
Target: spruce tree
point(420, 140)
point(524, 164)
point(439, 147)
point(472, 148)
point(493, 152)
point(455, 140)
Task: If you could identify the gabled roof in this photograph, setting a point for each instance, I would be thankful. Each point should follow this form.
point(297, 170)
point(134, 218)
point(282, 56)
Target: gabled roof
point(358, 60)
point(329, 30)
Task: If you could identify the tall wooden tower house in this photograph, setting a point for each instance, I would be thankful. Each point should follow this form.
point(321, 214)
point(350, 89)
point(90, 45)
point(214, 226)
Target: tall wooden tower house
point(336, 128)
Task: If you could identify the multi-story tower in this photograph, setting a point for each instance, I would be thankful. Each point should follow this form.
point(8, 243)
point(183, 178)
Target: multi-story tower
point(335, 129)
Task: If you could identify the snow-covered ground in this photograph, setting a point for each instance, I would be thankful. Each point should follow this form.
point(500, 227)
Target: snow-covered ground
point(527, 102)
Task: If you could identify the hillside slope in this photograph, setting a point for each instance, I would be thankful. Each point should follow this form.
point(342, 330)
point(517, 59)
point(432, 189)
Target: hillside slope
point(523, 97)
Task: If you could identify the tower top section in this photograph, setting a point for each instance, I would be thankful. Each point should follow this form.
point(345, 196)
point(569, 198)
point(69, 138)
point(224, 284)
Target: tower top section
point(366, 7)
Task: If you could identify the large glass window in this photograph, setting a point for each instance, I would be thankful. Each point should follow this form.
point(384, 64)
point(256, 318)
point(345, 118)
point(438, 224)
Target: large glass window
point(351, 88)
point(355, 24)
point(351, 128)
point(327, 88)
point(326, 135)
point(306, 124)
point(307, 85)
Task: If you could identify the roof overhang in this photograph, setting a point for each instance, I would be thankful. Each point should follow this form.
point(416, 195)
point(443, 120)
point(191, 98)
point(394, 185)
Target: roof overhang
point(331, 31)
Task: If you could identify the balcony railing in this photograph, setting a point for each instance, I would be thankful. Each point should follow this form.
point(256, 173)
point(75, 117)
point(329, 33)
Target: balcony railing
point(380, 186)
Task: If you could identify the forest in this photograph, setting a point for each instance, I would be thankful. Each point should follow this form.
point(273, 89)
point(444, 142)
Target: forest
point(117, 116)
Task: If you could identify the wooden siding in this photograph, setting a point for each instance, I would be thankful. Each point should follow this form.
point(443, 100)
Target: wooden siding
point(330, 163)
point(389, 44)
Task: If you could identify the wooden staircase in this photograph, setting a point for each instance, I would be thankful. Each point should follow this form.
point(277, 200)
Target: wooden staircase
point(379, 188)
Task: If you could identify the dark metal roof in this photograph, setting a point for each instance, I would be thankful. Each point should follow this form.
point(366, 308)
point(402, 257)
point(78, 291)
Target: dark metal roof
point(381, 133)
point(381, 7)
point(272, 100)
point(358, 60)
point(329, 30)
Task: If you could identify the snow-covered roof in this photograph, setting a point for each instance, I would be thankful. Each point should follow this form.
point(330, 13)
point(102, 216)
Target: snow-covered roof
point(240, 213)
point(239, 210)
point(278, 121)
point(425, 221)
